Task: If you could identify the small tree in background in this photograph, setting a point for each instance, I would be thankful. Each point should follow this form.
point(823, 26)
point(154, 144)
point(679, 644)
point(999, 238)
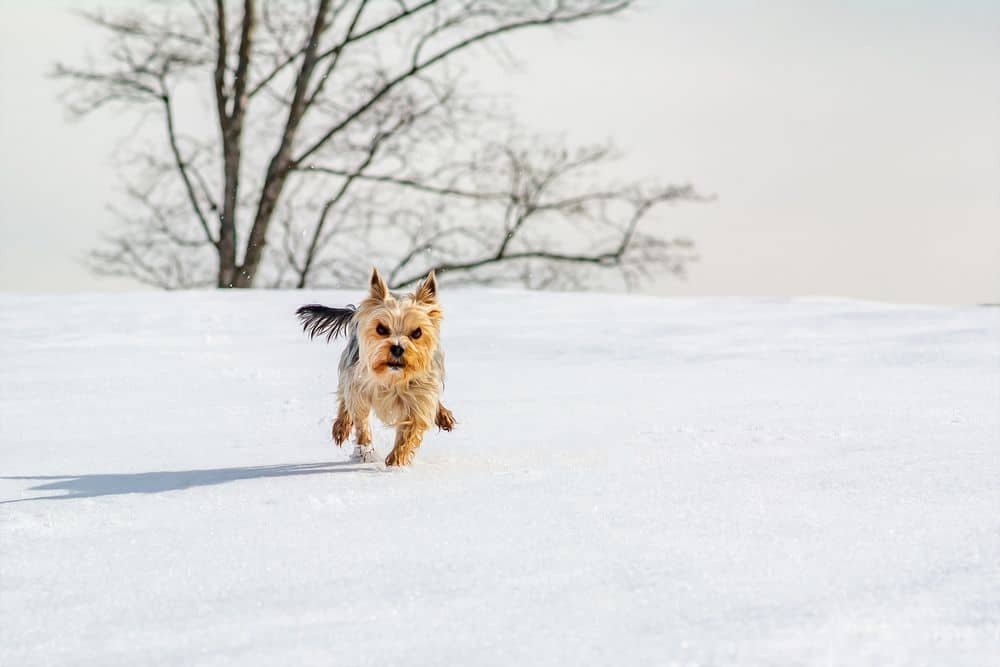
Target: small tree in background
point(342, 136)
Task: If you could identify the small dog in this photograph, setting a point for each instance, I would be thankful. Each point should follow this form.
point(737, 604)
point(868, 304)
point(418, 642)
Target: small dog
point(393, 363)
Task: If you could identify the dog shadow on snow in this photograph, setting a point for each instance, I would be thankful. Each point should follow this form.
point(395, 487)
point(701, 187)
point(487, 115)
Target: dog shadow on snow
point(89, 486)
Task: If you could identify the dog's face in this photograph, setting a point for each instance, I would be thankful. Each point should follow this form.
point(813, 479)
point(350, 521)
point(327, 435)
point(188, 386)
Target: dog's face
point(399, 335)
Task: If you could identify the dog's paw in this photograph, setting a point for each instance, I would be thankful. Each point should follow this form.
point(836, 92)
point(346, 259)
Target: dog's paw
point(341, 430)
point(445, 419)
point(364, 454)
point(399, 458)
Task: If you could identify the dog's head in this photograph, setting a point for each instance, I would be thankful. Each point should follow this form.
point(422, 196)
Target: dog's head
point(398, 335)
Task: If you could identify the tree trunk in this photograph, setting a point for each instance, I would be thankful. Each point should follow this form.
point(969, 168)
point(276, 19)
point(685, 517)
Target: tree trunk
point(282, 162)
point(231, 128)
point(275, 183)
point(232, 135)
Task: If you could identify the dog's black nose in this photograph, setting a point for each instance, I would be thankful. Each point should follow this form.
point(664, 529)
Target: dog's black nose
point(396, 350)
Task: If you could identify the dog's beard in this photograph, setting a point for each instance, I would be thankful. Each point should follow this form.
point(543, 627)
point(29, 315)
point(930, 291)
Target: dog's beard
point(387, 369)
point(389, 366)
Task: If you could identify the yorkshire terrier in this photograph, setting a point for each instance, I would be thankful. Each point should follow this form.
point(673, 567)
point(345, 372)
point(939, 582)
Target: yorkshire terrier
point(393, 364)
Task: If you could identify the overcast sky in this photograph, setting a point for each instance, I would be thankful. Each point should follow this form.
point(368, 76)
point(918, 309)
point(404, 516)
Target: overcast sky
point(854, 146)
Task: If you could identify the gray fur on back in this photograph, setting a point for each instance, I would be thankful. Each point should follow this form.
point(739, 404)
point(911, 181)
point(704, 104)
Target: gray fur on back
point(351, 354)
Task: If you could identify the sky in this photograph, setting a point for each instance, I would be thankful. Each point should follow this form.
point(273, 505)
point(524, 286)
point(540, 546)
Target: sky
point(854, 147)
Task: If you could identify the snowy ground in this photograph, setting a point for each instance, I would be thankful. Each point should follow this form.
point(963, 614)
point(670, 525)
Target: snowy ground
point(633, 481)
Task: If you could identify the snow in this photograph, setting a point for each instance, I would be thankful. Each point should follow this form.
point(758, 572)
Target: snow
point(632, 481)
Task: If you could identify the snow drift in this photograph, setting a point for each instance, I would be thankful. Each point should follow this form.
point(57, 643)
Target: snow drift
point(632, 481)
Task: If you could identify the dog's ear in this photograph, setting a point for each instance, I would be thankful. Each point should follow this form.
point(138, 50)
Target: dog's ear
point(427, 292)
point(379, 290)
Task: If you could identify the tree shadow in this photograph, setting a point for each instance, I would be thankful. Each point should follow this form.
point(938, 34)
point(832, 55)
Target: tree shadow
point(89, 486)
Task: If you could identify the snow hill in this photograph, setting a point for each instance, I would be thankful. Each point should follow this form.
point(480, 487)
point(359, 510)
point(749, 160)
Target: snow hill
point(633, 481)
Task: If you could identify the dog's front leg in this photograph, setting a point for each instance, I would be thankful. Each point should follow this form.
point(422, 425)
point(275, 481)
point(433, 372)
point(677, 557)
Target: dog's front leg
point(408, 438)
point(445, 419)
point(364, 451)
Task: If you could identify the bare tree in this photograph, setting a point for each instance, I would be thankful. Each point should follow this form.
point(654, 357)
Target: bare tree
point(341, 134)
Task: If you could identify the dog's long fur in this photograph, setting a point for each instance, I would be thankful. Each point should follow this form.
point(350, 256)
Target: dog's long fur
point(403, 388)
point(318, 320)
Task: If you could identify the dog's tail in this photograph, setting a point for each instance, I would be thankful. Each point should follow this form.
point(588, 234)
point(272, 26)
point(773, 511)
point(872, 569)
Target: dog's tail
point(318, 320)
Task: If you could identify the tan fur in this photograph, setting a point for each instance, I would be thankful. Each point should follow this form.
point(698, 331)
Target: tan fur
point(342, 425)
point(445, 419)
point(406, 398)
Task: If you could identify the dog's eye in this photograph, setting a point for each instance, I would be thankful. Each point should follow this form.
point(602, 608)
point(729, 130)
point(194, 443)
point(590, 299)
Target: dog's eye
point(417, 333)
point(381, 330)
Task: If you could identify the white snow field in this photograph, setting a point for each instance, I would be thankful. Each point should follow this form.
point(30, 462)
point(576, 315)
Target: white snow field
point(633, 481)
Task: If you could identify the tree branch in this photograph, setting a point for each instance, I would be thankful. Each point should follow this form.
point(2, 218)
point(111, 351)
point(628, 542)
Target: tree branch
point(243, 64)
point(405, 183)
point(222, 51)
point(416, 68)
point(336, 56)
point(182, 167)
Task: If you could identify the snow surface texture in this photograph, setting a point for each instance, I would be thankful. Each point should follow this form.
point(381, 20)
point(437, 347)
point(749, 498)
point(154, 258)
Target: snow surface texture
point(632, 481)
